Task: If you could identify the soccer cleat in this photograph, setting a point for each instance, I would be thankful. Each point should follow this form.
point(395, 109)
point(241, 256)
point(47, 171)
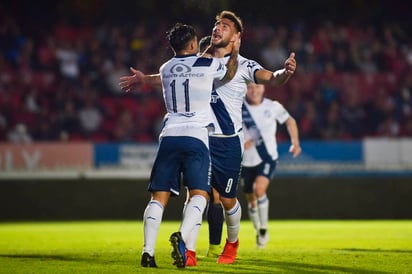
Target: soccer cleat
point(214, 251)
point(147, 260)
point(228, 255)
point(262, 238)
point(191, 258)
point(179, 249)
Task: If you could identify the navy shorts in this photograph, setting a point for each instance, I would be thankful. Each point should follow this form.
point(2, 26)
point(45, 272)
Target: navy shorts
point(226, 155)
point(249, 174)
point(181, 157)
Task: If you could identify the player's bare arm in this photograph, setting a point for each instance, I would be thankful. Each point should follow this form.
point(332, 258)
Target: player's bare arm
point(248, 144)
point(280, 76)
point(293, 131)
point(137, 79)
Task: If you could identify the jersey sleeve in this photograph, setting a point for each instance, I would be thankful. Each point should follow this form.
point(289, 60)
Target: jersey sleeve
point(281, 114)
point(219, 68)
point(249, 68)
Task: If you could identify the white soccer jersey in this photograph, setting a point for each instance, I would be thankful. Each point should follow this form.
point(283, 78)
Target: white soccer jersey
point(227, 98)
point(265, 117)
point(187, 83)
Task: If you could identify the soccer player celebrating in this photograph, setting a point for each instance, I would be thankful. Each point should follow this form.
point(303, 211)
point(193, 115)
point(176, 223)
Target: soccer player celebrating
point(187, 81)
point(226, 142)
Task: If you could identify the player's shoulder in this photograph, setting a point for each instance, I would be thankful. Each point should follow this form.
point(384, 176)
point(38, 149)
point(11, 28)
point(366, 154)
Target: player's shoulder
point(273, 103)
point(243, 60)
point(248, 63)
point(203, 61)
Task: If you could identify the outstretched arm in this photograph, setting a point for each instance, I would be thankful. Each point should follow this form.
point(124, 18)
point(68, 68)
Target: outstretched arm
point(293, 131)
point(137, 79)
point(280, 76)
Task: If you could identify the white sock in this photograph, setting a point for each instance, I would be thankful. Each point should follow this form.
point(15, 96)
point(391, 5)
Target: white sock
point(152, 218)
point(263, 208)
point(192, 218)
point(192, 238)
point(254, 216)
point(233, 217)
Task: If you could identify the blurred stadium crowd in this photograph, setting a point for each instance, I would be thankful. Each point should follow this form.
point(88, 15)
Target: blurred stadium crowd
point(59, 82)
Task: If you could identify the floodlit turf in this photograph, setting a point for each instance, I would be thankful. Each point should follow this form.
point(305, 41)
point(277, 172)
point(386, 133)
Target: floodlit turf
point(294, 247)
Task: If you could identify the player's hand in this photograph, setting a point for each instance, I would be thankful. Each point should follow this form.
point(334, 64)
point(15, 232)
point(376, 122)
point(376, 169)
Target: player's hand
point(130, 83)
point(295, 150)
point(290, 64)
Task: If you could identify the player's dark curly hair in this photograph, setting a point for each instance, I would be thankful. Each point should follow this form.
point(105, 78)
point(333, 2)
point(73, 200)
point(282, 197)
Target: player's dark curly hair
point(232, 17)
point(204, 43)
point(180, 35)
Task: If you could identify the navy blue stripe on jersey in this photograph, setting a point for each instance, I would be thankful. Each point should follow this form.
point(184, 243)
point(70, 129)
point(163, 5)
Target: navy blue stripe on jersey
point(203, 62)
point(259, 143)
point(222, 115)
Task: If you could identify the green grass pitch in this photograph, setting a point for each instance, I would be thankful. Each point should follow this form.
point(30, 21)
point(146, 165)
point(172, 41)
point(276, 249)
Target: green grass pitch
point(295, 247)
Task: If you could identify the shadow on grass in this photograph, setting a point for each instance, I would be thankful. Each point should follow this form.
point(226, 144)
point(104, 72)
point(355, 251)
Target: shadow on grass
point(242, 265)
point(377, 250)
point(245, 265)
point(44, 257)
point(281, 266)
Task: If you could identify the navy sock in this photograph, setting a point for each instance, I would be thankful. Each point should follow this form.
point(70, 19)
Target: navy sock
point(215, 220)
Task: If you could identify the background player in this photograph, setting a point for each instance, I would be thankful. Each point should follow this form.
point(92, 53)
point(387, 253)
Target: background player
point(260, 118)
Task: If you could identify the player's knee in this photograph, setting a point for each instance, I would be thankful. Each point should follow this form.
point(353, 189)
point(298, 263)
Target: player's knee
point(228, 203)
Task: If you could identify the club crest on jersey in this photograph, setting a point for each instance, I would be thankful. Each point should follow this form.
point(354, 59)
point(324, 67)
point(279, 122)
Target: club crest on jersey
point(214, 98)
point(221, 67)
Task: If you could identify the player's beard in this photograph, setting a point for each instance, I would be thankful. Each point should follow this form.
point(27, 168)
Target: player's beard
point(222, 44)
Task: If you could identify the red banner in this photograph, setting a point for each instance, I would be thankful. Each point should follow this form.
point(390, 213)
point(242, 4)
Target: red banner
point(46, 156)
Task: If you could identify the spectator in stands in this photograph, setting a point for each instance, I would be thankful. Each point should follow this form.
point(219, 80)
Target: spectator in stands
point(90, 115)
point(32, 101)
point(403, 102)
point(406, 130)
point(274, 54)
point(330, 127)
point(389, 127)
point(353, 115)
point(116, 70)
point(309, 123)
point(69, 60)
point(125, 130)
point(19, 134)
point(3, 125)
point(68, 118)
